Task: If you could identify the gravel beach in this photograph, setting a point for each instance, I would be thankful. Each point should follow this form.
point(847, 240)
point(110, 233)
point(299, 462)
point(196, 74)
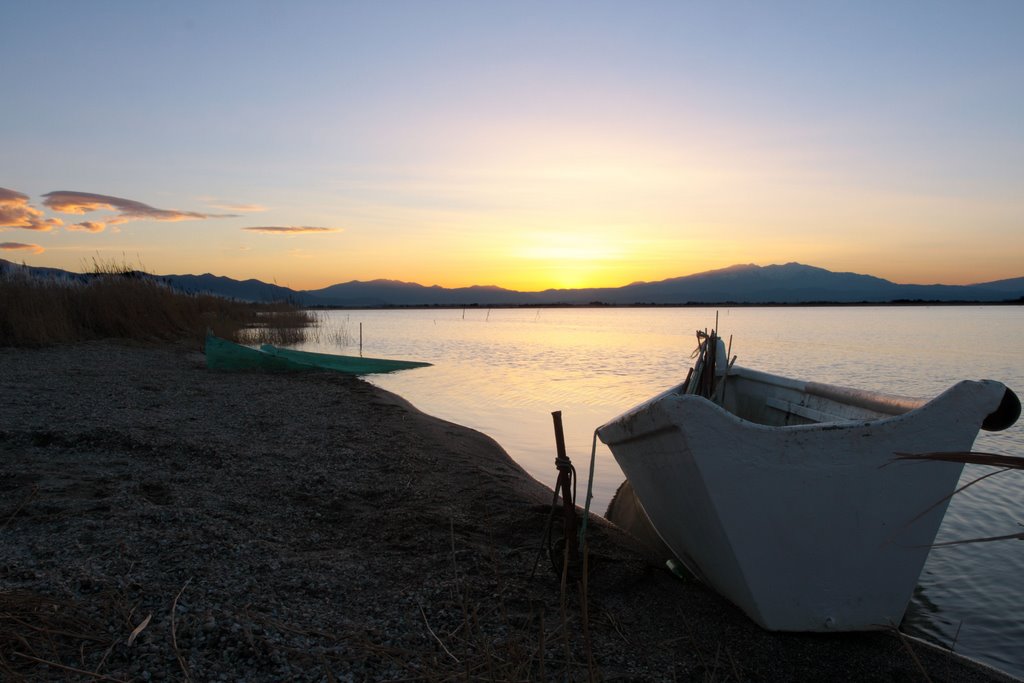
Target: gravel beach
point(161, 521)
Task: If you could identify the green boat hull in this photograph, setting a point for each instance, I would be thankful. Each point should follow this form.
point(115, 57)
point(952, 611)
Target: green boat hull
point(222, 354)
point(356, 365)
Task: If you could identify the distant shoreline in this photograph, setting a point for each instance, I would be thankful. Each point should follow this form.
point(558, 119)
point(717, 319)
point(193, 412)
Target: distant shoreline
point(792, 284)
point(724, 304)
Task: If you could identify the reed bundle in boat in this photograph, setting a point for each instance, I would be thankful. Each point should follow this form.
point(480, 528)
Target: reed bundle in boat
point(701, 380)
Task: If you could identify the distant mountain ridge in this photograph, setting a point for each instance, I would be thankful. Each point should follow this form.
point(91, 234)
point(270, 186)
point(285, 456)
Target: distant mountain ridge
point(790, 283)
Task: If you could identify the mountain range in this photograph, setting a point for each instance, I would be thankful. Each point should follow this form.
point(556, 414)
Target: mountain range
point(791, 283)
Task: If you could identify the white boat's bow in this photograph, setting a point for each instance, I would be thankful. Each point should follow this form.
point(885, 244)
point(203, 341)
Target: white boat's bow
point(785, 496)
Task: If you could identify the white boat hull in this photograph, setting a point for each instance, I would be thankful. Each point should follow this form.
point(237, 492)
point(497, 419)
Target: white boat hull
point(806, 527)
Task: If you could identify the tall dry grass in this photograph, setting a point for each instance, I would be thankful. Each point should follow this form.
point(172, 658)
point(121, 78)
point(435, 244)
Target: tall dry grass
point(117, 302)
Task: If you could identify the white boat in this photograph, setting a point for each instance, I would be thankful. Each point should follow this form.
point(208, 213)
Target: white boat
point(786, 496)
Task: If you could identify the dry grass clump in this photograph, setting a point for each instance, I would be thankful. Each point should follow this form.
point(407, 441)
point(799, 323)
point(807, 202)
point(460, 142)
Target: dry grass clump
point(491, 641)
point(39, 633)
point(280, 325)
point(47, 638)
point(115, 301)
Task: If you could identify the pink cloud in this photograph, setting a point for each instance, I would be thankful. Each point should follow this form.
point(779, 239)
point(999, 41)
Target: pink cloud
point(15, 212)
point(234, 206)
point(89, 226)
point(18, 246)
point(65, 201)
point(291, 229)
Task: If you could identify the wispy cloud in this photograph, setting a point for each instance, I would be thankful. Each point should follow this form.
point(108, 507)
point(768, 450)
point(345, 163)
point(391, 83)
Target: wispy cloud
point(88, 226)
point(18, 246)
point(64, 201)
point(15, 212)
point(291, 229)
point(235, 206)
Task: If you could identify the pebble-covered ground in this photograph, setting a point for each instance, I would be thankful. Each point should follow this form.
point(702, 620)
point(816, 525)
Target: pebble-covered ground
point(160, 521)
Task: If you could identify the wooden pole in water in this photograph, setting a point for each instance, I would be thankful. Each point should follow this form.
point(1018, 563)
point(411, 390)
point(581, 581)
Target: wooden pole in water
point(564, 487)
point(560, 454)
point(360, 339)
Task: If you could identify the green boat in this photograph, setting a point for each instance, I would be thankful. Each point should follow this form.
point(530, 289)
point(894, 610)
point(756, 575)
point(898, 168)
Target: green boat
point(222, 354)
point(355, 365)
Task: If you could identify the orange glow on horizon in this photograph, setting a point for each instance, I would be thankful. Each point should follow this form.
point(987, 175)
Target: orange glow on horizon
point(531, 265)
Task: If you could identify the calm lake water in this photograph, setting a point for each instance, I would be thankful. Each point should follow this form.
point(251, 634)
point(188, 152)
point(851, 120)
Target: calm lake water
point(504, 371)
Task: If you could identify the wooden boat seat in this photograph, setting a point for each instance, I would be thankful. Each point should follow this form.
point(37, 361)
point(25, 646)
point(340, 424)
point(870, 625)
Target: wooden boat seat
point(780, 401)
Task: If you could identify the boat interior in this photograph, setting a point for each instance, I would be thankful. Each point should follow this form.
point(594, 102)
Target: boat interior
point(776, 401)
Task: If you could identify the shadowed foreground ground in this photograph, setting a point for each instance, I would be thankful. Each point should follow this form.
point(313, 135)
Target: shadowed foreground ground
point(159, 521)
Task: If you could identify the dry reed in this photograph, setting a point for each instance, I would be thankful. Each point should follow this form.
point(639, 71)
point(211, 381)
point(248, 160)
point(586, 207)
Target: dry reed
point(38, 631)
point(115, 301)
point(488, 643)
point(1003, 462)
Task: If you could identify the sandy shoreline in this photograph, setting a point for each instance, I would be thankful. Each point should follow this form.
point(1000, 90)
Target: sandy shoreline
point(314, 527)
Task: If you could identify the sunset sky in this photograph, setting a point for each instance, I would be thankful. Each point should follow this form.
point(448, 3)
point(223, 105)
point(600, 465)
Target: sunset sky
point(522, 144)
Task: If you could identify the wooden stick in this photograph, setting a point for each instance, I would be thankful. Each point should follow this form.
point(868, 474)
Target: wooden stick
point(90, 674)
point(174, 636)
point(31, 495)
point(439, 642)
